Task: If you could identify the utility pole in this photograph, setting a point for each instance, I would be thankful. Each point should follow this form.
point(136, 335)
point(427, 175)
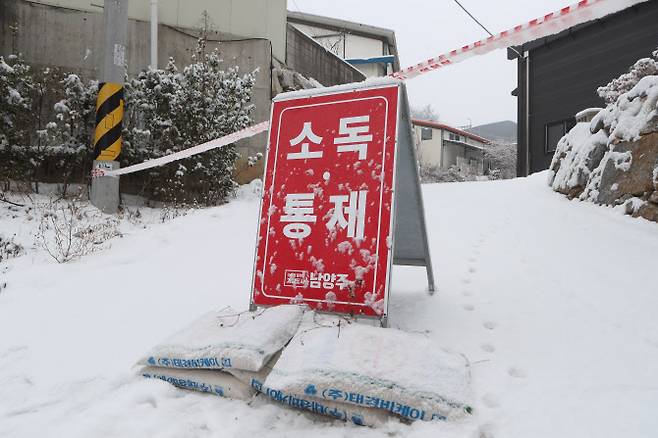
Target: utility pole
point(110, 105)
point(154, 34)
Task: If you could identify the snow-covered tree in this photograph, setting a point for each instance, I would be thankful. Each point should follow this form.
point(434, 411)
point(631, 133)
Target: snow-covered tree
point(425, 113)
point(172, 110)
point(501, 160)
point(15, 104)
point(618, 86)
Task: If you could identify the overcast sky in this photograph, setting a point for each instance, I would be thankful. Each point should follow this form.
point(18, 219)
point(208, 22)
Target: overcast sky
point(476, 91)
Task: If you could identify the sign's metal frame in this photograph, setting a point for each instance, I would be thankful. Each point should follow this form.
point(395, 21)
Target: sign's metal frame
point(409, 246)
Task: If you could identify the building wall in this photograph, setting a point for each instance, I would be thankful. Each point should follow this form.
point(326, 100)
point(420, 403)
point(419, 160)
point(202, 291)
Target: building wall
point(440, 151)
point(565, 73)
point(429, 151)
point(311, 59)
point(347, 46)
point(468, 160)
point(242, 18)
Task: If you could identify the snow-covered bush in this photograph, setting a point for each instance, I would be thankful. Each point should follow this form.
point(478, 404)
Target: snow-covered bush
point(170, 110)
point(33, 146)
point(501, 159)
point(15, 105)
point(623, 84)
point(166, 111)
point(434, 174)
point(68, 230)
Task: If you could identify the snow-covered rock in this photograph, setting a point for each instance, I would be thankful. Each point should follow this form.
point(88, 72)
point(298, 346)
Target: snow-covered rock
point(578, 154)
point(614, 159)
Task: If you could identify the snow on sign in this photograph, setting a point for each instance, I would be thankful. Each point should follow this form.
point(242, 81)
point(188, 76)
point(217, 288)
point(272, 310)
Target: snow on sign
point(325, 234)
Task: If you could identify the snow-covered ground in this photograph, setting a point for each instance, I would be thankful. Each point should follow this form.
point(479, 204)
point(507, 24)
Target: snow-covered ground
point(553, 302)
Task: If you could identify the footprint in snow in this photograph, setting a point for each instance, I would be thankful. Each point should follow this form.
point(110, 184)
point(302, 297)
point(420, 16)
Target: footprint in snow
point(468, 307)
point(472, 270)
point(467, 293)
point(489, 325)
point(516, 372)
point(485, 431)
point(490, 401)
point(488, 348)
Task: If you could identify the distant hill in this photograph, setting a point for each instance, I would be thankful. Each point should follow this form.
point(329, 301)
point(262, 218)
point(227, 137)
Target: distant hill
point(498, 131)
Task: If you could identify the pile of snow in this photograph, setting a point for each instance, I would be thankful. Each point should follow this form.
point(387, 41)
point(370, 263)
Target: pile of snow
point(634, 113)
point(553, 303)
point(578, 154)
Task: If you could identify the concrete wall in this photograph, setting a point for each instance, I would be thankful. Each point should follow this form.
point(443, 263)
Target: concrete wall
point(469, 160)
point(429, 151)
point(312, 60)
point(42, 29)
point(241, 18)
point(346, 46)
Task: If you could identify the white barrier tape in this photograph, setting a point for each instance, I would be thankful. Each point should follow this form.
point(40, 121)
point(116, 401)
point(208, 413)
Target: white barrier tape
point(549, 24)
point(212, 144)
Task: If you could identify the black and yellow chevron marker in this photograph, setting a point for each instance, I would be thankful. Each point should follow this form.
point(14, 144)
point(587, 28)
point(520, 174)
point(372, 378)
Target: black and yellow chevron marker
point(109, 115)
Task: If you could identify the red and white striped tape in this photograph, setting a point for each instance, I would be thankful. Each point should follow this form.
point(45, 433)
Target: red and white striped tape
point(549, 24)
point(212, 144)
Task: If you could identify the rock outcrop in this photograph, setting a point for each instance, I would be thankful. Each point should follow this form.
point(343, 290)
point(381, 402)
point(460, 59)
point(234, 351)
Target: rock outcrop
point(613, 160)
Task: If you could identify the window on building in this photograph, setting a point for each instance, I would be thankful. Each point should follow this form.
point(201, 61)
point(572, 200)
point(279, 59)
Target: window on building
point(425, 133)
point(455, 137)
point(554, 132)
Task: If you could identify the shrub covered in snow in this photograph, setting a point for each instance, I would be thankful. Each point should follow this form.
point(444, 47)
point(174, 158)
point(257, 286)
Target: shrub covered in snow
point(501, 159)
point(16, 87)
point(171, 110)
point(167, 110)
point(434, 174)
point(623, 84)
point(69, 230)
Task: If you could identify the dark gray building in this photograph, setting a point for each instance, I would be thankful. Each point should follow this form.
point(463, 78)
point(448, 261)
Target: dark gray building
point(558, 76)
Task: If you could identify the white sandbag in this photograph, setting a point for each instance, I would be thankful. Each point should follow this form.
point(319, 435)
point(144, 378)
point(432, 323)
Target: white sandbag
point(358, 415)
point(211, 381)
point(226, 339)
point(399, 372)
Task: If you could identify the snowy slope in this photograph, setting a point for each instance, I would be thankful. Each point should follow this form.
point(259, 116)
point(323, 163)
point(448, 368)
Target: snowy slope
point(553, 301)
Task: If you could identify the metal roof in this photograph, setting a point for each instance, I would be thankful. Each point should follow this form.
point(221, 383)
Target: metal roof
point(436, 125)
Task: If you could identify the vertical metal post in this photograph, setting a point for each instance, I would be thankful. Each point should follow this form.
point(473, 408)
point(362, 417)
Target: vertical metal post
point(109, 107)
point(154, 34)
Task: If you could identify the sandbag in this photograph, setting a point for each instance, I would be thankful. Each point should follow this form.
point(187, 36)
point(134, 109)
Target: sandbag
point(358, 415)
point(402, 373)
point(211, 381)
point(226, 339)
